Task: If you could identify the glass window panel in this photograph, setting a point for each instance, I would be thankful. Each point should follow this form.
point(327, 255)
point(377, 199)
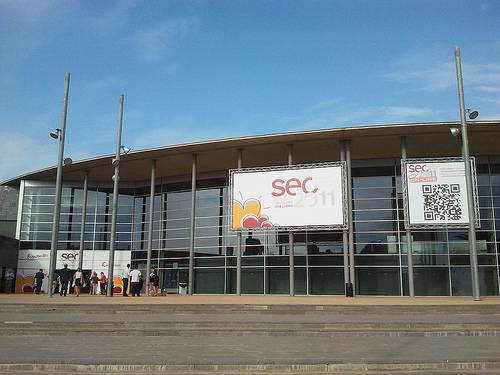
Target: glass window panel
point(252, 280)
point(373, 260)
point(375, 226)
point(326, 260)
point(381, 237)
point(209, 281)
point(361, 204)
point(277, 260)
point(373, 193)
point(300, 280)
point(378, 281)
point(278, 280)
point(252, 261)
point(431, 281)
point(375, 215)
point(326, 280)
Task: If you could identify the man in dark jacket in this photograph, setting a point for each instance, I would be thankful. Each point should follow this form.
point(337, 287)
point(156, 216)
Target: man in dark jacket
point(38, 281)
point(64, 277)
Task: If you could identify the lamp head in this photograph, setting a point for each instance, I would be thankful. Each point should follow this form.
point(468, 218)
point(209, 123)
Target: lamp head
point(125, 149)
point(455, 131)
point(67, 162)
point(472, 114)
point(55, 134)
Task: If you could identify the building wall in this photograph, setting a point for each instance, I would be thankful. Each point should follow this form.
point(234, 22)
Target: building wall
point(8, 244)
point(441, 260)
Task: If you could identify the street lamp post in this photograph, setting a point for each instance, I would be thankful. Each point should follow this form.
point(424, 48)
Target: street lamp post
point(116, 180)
point(61, 134)
point(469, 182)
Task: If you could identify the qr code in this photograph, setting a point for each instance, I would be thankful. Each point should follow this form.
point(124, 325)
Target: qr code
point(442, 202)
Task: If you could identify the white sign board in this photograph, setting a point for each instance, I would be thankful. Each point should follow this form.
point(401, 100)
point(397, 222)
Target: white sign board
point(435, 192)
point(308, 196)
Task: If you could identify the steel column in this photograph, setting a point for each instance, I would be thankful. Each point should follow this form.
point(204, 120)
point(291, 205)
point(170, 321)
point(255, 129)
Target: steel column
point(468, 177)
point(116, 182)
point(345, 235)
point(409, 244)
point(150, 228)
point(238, 239)
point(57, 204)
point(84, 221)
point(193, 227)
point(290, 237)
point(352, 274)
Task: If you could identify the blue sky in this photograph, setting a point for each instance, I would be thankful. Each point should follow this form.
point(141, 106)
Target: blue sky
point(198, 70)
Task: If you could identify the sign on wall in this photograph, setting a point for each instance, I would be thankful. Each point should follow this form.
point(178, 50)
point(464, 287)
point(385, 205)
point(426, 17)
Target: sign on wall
point(294, 198)
point(435, 193)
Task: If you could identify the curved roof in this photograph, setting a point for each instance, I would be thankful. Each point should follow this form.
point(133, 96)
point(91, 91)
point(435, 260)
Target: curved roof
point(367, 142)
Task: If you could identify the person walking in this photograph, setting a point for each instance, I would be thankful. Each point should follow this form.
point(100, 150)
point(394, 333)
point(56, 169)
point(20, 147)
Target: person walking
point(135, 282)
point(9, 280)
point(94, 280)
point(102, 281)
point(39, 276)
point(78, 281)
point(125, 279)
point(64, 278)
point(153, 283)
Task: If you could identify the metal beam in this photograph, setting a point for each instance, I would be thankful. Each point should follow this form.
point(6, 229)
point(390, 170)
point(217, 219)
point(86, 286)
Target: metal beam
point(290, 237)
point(151, 217)
point(409, 244)
point(193, 219)
point(84, 221)
point(238, 239)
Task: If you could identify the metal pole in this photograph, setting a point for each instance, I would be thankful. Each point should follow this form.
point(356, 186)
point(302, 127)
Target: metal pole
point(84, 220)
point(238, 240)
point(193, 226)
point(352, 274)
point(345, 236)
point(409, 244)
point(290, 237)
point(57, 203)
point(116, 182)
point(150, 228)
point(468, 177)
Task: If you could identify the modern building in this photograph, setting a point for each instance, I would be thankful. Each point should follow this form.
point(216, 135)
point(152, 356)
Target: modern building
point(192, 242)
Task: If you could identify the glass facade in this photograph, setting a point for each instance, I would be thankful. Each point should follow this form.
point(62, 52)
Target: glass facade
point(441, 260)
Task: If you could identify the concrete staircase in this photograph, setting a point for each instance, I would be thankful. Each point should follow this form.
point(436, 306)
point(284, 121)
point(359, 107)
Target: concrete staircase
point(459, 339)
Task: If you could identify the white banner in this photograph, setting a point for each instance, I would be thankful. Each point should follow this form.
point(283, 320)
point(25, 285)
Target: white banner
point(289, 197)
point(436, 192)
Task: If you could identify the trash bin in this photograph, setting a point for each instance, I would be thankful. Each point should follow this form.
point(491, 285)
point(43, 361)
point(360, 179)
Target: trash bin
point(349, 291)
point(183, 288)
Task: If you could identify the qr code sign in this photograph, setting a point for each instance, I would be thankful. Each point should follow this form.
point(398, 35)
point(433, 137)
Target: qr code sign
point(442, 202)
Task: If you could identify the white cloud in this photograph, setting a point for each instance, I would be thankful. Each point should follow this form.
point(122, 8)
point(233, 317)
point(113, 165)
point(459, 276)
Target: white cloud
point(110, 20)
point(442, 76)
point(154, 42)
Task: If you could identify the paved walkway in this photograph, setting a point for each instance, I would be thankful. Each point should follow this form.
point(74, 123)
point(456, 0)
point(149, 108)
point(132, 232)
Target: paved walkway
point(244, 300)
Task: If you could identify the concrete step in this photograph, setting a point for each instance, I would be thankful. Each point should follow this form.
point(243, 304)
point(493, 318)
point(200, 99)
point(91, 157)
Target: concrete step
point(456, 368)
point(207, 328)
point(124, 308)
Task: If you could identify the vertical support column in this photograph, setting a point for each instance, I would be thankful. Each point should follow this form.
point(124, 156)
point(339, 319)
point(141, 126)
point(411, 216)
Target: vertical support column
point(238, 240)
point(409, 244)
point(84, 221)
point(352, 275)
point(290, 237)
point(345, 235)
point(193, 218)
point(150, 228)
